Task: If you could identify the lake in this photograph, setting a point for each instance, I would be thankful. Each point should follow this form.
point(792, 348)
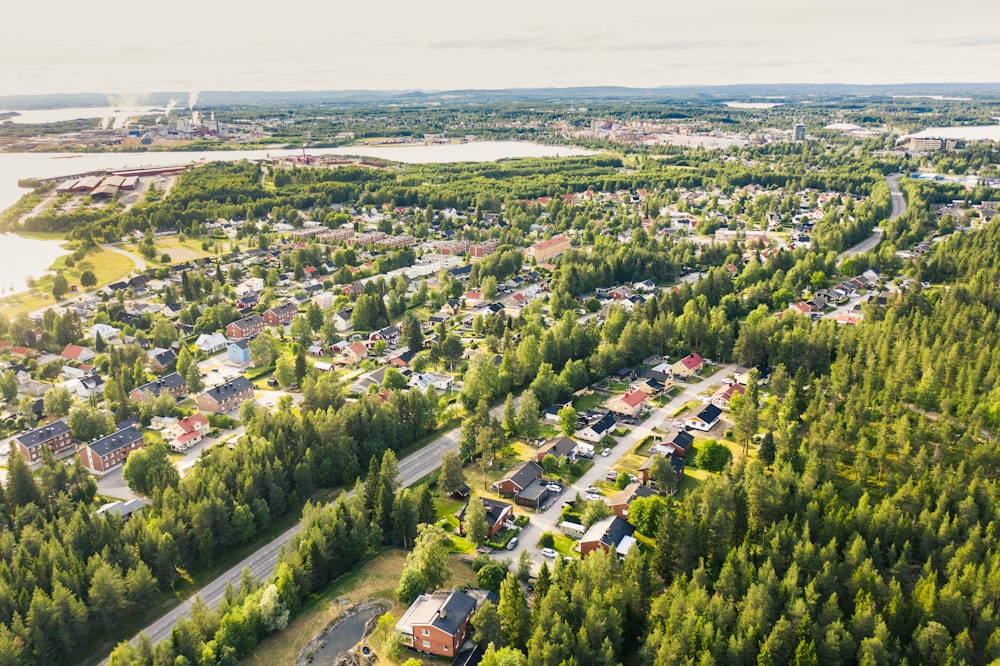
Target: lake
point(21, 257)
point(15, 166)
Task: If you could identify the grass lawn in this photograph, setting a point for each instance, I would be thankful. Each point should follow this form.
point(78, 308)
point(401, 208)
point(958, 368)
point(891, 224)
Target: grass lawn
point(107, 267)
point(178, 251)
point(618, 386)
point(377, 578)
point(564, 546)
point(690, 404)
point(586, 402)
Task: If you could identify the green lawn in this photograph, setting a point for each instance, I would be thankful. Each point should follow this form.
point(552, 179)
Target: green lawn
point(586, 402)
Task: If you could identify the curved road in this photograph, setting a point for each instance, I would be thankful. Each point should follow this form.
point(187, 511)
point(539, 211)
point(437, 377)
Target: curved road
point(898, 208)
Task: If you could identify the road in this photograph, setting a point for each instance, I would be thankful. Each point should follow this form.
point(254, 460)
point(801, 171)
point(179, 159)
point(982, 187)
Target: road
point(898, 208)
point(548, 519)
point(263, 562)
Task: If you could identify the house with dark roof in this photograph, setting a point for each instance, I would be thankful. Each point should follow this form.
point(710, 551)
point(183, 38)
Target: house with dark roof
point(173, 384)
point(55, 437)
point(245, 328)
point(680, 444)
point(562, 447)
point(437, 623)
point(612, 534)
point(403, 358)
point(226, 396)
point(596, 431)
point(534, 495)
point(519, 477)
point(705, 418)
point(280, 315)
point(675, 462)
point(160, 359)
point(107, 453)
point(497, 513)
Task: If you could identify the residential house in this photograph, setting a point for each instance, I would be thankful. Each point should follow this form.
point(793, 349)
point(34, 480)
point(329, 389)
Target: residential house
point(248, 301)
point(86, 386)
point(185, 433)
point(107, 453)
point(173, 384)
point(402, 359)
point(724, 396)
point(562, 447)
point(680, 444)
point(389, 335)
point(425, 380)
point(245, 328)
point(473, 298)
point(452, 307)
point(280, 315)
point(342, 320)
point(612, 534)
point(688, 367)
point(160, 360)
point(238, 351)
point(629, 404)
point(54, 436)
point(122, 509)
point(623, 498)
point(78, 353)
point(497, 513)
point(437, 623)
point(676, 463)
point(533, 495)
point(107, 333)
point(705, 419)
point(597, 430)
point(210, 343)
point(356, 352)
point(227, 396)
point(519, 477)
point(763, 376)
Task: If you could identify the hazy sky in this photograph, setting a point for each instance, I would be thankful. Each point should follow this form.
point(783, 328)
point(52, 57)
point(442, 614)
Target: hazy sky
point(61, 46)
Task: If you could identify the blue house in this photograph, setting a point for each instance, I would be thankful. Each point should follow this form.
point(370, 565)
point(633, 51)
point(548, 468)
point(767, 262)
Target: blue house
point(238, 351)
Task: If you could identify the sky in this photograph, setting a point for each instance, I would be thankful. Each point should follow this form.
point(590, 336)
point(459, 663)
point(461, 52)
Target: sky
point(187, 45)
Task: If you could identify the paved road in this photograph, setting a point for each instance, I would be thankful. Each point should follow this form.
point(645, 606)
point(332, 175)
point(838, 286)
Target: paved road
point(898, 208)
point(263, 562)
point(548, 519)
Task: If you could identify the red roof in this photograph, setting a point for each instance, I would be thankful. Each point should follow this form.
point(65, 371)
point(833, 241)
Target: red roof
point(359, 349)
point(634, 398)
point(189, 424)
point(72, 352)
point(692, 361)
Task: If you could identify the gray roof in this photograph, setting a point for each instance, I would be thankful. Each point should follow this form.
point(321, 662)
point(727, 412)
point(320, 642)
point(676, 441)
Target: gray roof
point(608, 531)
point(284, 308)
point(606, 423)
point(248, 322)
point(524, 473)
point(164, 383)
point(115, 441)
point(709, 413)
point(534, 492)
point(560, 446)
point(41, 435)
point(444, 609)
point(234, 386)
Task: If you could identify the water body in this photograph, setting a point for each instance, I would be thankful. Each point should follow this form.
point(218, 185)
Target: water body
point(23, 257)
point(15, 166)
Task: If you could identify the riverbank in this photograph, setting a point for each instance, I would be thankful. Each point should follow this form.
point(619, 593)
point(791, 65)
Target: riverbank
point(108, 266)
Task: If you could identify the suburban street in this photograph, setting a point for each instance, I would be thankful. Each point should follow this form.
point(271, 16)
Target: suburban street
point(548, 519)
point(898, 208)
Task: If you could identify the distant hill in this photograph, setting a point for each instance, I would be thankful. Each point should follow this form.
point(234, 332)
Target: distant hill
point(215, 98)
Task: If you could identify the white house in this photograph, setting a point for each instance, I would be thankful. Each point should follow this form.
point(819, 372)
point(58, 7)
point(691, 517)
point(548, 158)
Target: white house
point(107, 333)
point(210, 343)
point(426, 379)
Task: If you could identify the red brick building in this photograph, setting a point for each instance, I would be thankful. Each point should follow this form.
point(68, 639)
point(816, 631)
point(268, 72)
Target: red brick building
point(55, 436)
point(281, 314)
point(245, 328)
point(107, 453)
point(437, 623)
point(227, 396)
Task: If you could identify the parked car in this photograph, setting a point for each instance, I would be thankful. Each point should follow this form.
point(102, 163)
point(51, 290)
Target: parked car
point(549, 553)
point(594, 490)
point(612, 475)
point(512, 544)
point(678, 424)
point(606, 452)
point(593, 497)
point(554, 488)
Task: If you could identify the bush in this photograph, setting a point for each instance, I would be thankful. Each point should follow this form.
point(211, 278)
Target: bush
point(221, 421)
point(547, 540)
point(713, 456)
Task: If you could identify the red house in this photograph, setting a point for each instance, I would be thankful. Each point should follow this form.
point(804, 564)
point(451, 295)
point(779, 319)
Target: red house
point(437, 623)
point(107, 453)
point(243, 329)
point(281, 314)
point(56, 436)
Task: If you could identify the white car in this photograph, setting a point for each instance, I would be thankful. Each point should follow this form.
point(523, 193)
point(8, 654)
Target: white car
point(549, 553)
point(606, 452)
point(554, 488)
point(593, 497)
point(593, 490)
